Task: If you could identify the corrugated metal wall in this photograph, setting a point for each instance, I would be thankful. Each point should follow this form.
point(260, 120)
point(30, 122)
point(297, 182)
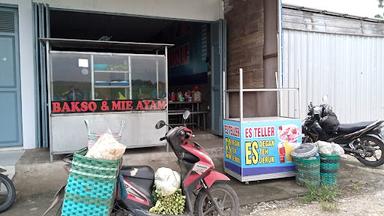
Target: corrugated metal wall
point(348, 69)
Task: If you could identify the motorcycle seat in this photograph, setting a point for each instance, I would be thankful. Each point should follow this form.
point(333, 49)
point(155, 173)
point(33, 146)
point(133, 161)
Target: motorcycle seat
point(141, 177)
point(350, 128)
point(142, 172)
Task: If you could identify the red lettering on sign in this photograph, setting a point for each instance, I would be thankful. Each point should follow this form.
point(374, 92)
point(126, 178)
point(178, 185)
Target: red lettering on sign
point(84, 106)
point(104, 106)
point(92, 106)
point(179, 55)
point(139, 106)
point(116, 105)
point(147, 102)
point(232, 130)
point(66, 108)
point(75, 106)
point(153, 106)
point(129, 105)
point(248, 132)
point(264, 132)
point(161, 104)
point(56, 107)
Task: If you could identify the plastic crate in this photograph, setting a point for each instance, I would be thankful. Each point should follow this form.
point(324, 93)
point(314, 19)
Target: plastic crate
point(90, 186)
point(307, 171)
point(329, 166)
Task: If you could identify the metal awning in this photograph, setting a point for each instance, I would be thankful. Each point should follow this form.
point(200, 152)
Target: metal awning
point(100, 45)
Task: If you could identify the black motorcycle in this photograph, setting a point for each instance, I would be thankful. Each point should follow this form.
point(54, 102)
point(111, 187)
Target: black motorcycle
point(7, 191)
point(363, 140)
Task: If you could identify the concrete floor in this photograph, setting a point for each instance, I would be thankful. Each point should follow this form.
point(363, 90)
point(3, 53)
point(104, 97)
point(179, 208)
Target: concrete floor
point(37, 179)
point(8, 160)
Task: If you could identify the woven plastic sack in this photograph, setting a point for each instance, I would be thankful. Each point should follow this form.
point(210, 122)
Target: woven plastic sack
point(106, 148)
point(167, 181)
point(307, 171)
point(329, 167)
point(90, 186)
point(327, 148)
point(305, 150)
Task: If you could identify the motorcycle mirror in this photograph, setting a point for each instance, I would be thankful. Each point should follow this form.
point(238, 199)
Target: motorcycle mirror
point(186, 114)
point(324, 99)
point(317, 110)
point(160, 124)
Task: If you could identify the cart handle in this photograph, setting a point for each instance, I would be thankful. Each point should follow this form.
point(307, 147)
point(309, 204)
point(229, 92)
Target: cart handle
point(87, 126)
point(122, 125)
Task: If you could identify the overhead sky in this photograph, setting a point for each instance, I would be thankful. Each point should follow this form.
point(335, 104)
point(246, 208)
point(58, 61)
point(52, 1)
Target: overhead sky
point(364, 8)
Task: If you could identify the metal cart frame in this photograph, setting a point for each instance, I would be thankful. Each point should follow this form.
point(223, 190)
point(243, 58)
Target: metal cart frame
point(137, 122)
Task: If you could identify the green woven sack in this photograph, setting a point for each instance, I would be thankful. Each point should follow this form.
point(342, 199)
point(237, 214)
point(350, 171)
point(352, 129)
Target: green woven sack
point(90, 186)
point(329, 166)
point(307, 171)
point(97, 168)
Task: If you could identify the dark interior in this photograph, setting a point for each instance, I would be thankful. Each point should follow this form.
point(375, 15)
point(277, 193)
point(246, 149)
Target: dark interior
point(93, 26)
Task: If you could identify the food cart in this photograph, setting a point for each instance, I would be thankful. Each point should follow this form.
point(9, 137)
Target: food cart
point(105, 83)
point(259, 148)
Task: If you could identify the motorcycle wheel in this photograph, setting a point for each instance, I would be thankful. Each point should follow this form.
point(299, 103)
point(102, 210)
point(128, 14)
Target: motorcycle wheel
point(120, 211)
point(224, 195)
point(7, 193)
point(378, 145)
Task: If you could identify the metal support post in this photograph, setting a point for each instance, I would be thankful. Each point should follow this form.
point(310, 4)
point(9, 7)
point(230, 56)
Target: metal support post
point(241, 94)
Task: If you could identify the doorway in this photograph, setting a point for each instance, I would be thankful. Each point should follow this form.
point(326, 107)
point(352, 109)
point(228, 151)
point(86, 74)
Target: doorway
point(10, 109)
point(194, 62)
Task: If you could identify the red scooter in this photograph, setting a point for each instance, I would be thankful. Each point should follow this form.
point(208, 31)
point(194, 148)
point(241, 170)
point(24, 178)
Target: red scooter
point(201, 183)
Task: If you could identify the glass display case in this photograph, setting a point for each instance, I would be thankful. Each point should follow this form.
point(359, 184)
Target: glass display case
point(111, 77)
point(97, 76)
point(105, 89)
point(69, 81)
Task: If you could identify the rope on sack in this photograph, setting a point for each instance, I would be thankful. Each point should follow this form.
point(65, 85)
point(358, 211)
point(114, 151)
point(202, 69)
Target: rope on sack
point(92, 167)
point(92, 175)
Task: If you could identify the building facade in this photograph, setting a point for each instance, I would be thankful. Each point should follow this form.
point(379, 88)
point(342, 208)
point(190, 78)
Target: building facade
point(231, 34)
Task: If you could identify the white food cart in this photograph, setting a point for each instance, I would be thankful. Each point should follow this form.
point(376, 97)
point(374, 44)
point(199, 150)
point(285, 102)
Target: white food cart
point(105, 83)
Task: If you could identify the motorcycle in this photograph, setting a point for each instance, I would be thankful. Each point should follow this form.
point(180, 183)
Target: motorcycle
point(363, 140)
point(198, 174)
point(7, 191)
point(205, 188)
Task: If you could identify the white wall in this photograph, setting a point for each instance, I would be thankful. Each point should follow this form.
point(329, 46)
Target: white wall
point(26, 70)
point(204, 10)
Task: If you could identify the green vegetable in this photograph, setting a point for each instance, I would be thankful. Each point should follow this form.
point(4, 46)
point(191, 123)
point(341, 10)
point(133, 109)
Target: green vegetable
point(173, 204)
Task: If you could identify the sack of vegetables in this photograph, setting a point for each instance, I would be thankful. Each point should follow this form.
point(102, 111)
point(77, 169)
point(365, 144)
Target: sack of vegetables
point(167, 193)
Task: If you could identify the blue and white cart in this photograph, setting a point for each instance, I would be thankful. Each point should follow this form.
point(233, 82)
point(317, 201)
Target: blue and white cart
point(259, 148)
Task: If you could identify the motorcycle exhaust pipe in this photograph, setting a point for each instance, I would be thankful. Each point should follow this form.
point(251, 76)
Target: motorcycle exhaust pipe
point(353, 151)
